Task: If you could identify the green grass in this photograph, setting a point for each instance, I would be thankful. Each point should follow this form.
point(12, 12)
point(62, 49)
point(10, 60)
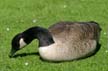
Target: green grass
point(18, 15)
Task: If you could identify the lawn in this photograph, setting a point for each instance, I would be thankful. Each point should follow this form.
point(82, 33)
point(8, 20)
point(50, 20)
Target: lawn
point(18, 15)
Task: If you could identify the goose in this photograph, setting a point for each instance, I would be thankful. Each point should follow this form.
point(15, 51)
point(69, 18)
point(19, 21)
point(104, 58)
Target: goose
point(63, 41)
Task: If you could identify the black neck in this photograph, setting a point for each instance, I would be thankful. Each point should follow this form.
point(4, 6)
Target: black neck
point(42, 34)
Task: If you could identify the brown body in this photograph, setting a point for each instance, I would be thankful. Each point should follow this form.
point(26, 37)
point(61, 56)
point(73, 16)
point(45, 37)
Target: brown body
point(73, 40)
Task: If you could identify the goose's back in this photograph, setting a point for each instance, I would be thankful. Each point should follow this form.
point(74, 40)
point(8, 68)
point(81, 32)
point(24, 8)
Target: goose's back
point(75, 31)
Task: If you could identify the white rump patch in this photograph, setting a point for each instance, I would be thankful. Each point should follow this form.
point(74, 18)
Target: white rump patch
point(22, 43)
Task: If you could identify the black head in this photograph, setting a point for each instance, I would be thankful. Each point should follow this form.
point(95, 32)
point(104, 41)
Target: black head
point(15, 44)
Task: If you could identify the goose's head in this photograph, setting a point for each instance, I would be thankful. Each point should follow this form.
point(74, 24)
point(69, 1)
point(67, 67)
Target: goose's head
point(24, 38)
point(17, 43)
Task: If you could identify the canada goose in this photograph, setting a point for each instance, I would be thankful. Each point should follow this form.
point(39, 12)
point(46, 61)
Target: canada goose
point(62, 41)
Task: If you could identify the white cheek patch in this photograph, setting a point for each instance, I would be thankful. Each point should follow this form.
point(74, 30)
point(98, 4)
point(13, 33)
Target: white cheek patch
point(22, 43)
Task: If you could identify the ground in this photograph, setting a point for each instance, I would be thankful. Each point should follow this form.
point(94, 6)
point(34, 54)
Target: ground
point(18, 15)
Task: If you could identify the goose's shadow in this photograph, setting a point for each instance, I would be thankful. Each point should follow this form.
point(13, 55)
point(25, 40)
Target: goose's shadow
point(25, 54)
point(36, 53)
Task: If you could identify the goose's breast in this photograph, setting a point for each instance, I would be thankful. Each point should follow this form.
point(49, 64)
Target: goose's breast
point(51, 52)
point(61, 52)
